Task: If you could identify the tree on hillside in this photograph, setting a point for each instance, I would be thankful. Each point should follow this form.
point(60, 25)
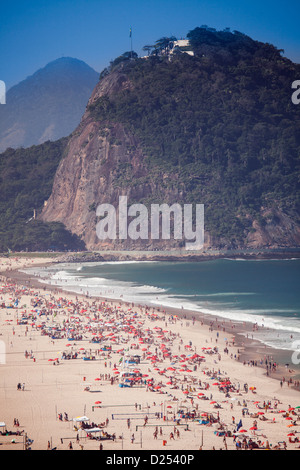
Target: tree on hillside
point(165, 43)
point(148, 48)
point(124, 57)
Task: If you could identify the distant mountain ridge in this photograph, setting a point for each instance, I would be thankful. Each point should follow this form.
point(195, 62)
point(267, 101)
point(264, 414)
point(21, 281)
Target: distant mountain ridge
point(47, 105)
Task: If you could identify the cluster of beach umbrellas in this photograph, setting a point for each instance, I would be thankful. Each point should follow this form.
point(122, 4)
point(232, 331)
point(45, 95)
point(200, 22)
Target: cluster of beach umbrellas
point(119, 332)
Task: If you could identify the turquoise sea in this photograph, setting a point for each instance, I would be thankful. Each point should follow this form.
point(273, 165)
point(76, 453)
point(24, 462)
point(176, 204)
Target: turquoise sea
point(265, 292)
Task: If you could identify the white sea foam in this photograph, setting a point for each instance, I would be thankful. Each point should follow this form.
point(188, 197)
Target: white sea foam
point(258, 260)
point(226, 294)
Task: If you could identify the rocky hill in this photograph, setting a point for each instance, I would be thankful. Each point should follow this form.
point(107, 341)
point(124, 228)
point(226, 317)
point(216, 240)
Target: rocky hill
point(217, 128)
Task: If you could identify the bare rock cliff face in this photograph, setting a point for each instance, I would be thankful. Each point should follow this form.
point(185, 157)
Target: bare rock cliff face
point(85, 177)
point(279, 230)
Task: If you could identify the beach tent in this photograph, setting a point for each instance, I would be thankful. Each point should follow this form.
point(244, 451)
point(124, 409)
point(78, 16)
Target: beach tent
point(3, 425)
point(81, 419)
point(92, 430)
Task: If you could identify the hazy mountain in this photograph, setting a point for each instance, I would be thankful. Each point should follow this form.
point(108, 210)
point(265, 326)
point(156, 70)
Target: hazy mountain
point(47, 105)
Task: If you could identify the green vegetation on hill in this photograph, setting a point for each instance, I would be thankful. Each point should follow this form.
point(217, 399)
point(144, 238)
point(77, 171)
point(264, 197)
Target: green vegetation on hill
point(26, 178)
point(217, 128)
point(220, 124)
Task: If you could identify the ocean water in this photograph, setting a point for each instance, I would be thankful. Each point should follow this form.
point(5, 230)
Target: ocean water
point(263, 292)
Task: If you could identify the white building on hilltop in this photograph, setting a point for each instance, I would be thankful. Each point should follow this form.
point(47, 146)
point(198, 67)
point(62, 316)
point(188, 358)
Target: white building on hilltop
point(169, 47)
point(181, 45)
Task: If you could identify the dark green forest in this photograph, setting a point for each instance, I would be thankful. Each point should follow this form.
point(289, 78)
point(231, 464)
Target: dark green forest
point(26, 178)
point(221, 123)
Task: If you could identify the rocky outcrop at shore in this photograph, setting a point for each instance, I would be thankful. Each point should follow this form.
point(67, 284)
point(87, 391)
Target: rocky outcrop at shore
point(93, 257)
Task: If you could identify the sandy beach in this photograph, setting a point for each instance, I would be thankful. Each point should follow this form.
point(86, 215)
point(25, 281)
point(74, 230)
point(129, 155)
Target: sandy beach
point(68, 376)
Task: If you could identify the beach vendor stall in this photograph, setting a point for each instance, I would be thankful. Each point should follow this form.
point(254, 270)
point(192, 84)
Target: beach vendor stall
point(2, 427)
point(80, 421)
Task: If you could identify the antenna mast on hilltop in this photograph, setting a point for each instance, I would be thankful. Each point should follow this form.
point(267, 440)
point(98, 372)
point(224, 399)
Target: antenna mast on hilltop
point(130, 35)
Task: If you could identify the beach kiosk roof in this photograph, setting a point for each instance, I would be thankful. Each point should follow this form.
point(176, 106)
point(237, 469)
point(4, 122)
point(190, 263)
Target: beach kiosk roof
point(81, 419)
point(93, 430)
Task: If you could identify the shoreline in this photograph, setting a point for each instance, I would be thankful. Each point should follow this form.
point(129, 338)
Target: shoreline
point(250, 349)
point(151, 255)
point(176, 255)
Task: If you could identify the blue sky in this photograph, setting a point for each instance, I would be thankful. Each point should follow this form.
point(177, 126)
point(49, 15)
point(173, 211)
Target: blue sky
point(35, 32)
